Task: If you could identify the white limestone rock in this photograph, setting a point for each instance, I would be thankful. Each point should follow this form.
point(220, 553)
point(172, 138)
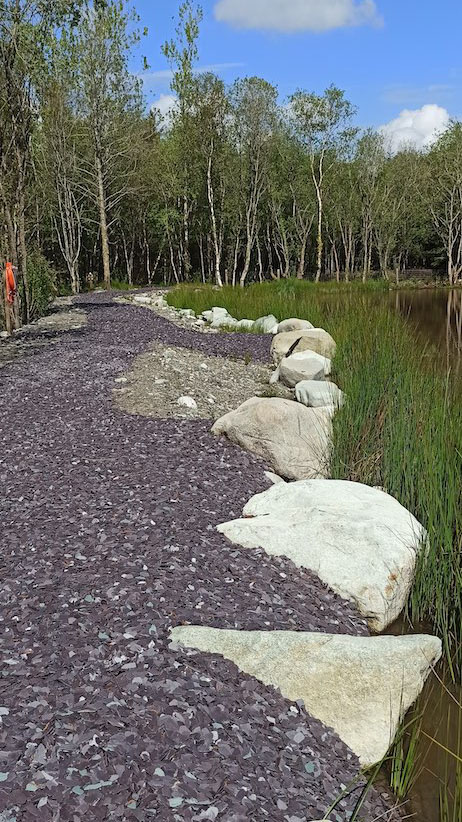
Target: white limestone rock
point(315, 339)
point(317, 394)
point(359, 686)
point(293, 324)
point(265, 325)
point(358, 540)
point(292, 439)
point(215, 314)
point(142, 299)
point(307, 365)
point(188, 402)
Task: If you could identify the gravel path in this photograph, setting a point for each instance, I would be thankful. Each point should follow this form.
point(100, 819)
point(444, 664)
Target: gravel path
point(108, 524)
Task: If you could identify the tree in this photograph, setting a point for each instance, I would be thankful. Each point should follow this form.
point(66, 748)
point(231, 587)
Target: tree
point(322, 124)
point(443, 193)
point(28, 29)
point(254, 112)
point(108, 97)
point(182, 54)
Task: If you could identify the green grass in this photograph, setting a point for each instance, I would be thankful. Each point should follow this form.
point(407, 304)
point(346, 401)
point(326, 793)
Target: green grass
point(401, 427)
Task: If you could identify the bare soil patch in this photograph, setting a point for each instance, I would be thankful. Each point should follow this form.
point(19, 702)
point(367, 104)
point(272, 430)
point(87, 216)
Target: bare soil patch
point(162, 375)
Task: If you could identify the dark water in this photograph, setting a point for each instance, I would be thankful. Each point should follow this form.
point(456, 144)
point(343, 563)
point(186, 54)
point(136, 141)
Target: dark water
point(436, 316)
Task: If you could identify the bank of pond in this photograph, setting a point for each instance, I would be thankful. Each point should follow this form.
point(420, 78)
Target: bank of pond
point(398, 364)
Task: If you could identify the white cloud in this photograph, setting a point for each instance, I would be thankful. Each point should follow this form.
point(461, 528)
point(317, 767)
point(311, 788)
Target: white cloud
point(419, 128)
point(297, 15)
point(165, 105)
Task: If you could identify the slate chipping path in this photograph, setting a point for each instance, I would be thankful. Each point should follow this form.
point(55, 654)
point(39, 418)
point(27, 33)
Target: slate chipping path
point(108, 539)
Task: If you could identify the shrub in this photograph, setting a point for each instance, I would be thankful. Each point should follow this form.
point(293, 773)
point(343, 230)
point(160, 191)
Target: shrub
point(42, 284)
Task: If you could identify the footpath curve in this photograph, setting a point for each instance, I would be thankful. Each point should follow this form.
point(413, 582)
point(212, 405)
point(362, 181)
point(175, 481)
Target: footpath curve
point(109, 538)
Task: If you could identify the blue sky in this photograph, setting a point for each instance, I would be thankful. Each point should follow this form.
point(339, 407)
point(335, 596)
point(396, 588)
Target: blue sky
point(388, 55)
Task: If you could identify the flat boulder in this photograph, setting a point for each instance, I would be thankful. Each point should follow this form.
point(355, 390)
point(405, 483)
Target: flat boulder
point(291, 342)
point(294, 324)
point(359, 686)
point(307, 365)
point(317, 394)
point(292, 439)
point(265, 325)
point(358, 540)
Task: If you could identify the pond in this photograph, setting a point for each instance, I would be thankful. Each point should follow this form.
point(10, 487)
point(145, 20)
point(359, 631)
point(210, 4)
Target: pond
point(436, 794)
point(436, 315)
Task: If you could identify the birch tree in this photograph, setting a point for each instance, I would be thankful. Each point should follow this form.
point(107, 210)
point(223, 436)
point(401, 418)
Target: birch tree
point(254, 103)
point(323, 125)
point(107, 95)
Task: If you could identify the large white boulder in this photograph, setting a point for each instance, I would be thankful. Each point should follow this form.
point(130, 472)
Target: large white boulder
point(224, 322)
point(315, 339)
point(317, 393)
point(359, 686)
point(265, 325)
point(214, 314)
point(307, 365)
point(293, 324)
point(358, 540)
point(292, 439)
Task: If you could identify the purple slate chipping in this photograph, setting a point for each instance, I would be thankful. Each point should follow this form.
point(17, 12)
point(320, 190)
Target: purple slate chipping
point(108, 540)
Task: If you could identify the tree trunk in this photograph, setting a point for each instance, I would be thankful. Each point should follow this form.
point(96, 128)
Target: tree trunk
point(216, 242)
point(22, 258)
point(301, 262)
point(103, 224)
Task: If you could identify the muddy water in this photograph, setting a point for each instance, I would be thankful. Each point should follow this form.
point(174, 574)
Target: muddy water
point(437, 319)
point(437, 718)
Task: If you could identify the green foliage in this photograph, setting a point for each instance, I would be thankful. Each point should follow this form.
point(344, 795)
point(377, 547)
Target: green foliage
point(42, 284)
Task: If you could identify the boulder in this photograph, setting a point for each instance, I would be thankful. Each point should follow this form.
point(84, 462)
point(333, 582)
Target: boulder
point(292, 439)
point(215, 314)
point(358, 540)
point(224, 322)
point(316, 394)
point(187, 312)
point(293, 342)
point(265, 325)
point(293, 324)
point(188, 402)
point(304, 366)
point(359, 686)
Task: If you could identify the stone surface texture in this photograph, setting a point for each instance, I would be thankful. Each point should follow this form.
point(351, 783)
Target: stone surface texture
point(318, 393)
point(293, 440)
point(306, 365)
point(294, 324)
point(358, 540)
point(315, 339)
point(361, 687)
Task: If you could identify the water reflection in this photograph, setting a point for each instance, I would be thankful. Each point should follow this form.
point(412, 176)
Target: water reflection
point(437, 318)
